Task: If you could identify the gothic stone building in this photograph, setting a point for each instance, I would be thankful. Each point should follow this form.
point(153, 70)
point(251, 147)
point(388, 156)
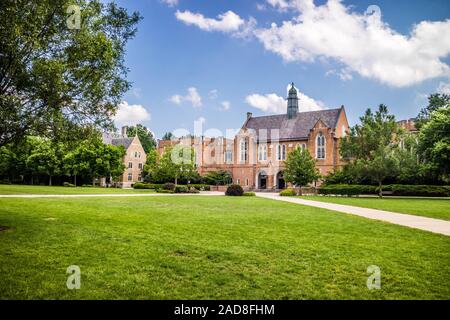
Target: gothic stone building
point(134, 159)
point(255, 157)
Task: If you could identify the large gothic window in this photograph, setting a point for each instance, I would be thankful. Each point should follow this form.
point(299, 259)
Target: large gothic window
point(262, 152)
point(320, 149)
point(281, 152)
point(243, 149)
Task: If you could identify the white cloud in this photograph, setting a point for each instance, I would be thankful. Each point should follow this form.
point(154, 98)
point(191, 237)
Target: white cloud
point(130, 114)
point(192, 96)
point(225, 105)
point(444, 88)
point(170, 3)
point(268, 103)
point(362, 43)
point(228, 22)
point(274, 104)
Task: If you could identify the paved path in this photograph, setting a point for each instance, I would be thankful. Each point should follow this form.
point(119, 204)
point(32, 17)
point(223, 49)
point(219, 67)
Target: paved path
point(203, 193)
point(408, 220)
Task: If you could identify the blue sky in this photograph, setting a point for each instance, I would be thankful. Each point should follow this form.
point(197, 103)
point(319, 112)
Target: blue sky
point(216, 60)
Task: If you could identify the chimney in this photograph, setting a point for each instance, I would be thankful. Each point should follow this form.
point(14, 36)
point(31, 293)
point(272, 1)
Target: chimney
point(249, 115)
point(124, 131)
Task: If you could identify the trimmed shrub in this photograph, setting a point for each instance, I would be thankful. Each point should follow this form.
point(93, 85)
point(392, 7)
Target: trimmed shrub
point(418, 190)
point(249, 194)
point(140, 185)
point(87, 186)
point(347, 190)
point(169, 186)
point(234, 190)
point(288, 193)
point(181, 189)
point(67, 184)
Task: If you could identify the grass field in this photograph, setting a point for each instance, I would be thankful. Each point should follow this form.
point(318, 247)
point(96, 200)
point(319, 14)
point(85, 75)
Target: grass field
point(433, 208)
point(26, 189)
point(211, 247)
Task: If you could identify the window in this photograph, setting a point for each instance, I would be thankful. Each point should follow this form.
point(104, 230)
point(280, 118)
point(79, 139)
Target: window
point(246, 182)
point(135, 154)
point(243, 147)
point(320, 146)
point(130, 177)
point(281, 152)
point(139, 154)
point(238, 181)
point(139, 177)
point(228, 156)
point(262, 152)
point(130, 165)
point(302, 145)
point(140, 165)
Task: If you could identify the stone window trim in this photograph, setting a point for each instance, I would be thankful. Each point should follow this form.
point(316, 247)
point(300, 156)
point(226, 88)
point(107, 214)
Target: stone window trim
point(320, 146)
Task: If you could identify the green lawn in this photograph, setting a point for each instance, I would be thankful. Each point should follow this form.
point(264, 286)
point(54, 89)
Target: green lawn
point(25, 189)
point(433, 208)
point(211, 247)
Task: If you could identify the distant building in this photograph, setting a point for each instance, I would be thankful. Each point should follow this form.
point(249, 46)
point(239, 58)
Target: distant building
point(408, 125)
point(255, 157)
point(134, 159)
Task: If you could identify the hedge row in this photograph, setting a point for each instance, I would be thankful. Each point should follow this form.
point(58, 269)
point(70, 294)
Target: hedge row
point(418, 190)
point(394, 189)
point(347, 190)
point(156, 186)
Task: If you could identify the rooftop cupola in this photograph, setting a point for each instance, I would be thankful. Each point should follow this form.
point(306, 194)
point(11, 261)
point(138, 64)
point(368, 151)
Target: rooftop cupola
point(292, 102)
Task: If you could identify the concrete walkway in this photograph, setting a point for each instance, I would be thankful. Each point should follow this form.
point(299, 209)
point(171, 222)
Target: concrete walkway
point(203, 193)
point(408, 220)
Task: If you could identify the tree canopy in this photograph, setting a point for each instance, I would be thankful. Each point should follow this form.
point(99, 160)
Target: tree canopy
point(145, 136)
point(300, 168)
point(56, 75)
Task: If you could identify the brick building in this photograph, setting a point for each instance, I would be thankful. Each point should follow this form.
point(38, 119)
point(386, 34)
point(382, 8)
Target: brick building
point(255, 157)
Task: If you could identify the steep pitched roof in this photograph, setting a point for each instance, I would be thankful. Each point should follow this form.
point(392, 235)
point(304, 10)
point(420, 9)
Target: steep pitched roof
point(125, 142)
point(295, 128)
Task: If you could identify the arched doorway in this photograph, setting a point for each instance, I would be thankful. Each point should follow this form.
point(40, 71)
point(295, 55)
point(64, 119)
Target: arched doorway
point(281, 184)
point(262, 180)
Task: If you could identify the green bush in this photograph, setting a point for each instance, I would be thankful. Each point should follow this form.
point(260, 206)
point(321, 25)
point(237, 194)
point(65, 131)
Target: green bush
point(87, 185)
point(288, 193)
point(249, 194)
point(181, 189)
point(347, 190)
point(169, 186)
point(67, 184)
point(140, 185)
point(418, 190)
point(234, 190)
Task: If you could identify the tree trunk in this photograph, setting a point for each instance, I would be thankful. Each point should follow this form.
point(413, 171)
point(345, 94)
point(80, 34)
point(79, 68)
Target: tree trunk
point(75, 180)
point(93, 182)
point(176, 180)
point(32, 182)
point(300, 190)
point(50, 181)
point(380, 190)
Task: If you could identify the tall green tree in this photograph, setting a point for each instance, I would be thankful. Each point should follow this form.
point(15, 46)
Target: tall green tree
point(46, 159)
point(434, 143)
point(177, 162)
point(219, 177)
point(145, 136)
point(435, 102)
point(300, 168)
point(370, 146)
point(56, 74)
